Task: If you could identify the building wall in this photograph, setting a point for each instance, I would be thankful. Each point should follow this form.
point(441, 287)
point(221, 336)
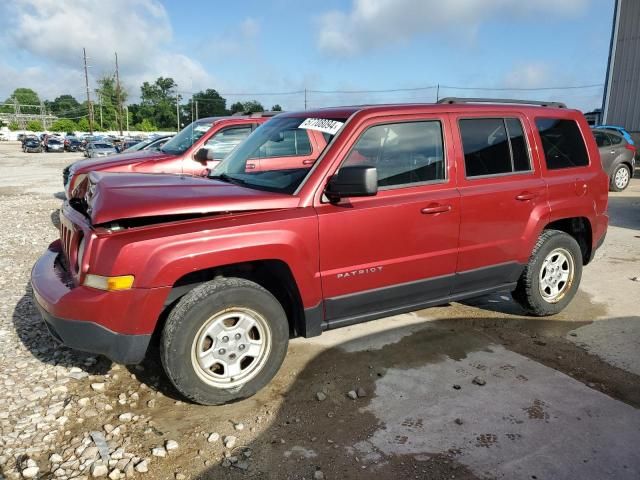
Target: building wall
point(622, 95)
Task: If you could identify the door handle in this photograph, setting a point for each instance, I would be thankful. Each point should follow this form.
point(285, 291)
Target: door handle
point(525, 196)
point(308, 162)
point(436, 209)
point(251, 166)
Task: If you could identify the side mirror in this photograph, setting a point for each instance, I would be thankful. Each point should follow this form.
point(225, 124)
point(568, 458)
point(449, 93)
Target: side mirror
point(202, 155)
point(353, 181)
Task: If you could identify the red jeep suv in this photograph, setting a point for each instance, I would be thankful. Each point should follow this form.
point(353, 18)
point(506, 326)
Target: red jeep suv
point(407, 206)
point(193, 151)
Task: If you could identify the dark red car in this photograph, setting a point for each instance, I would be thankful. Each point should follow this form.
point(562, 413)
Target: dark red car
point(404, 207)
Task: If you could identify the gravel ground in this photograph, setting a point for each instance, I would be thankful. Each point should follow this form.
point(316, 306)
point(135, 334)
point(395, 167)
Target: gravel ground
point(330, 411)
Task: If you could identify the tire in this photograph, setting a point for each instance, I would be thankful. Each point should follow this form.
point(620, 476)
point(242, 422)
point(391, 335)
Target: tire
point(620, 178)
point(537, 283)
point(199, 325)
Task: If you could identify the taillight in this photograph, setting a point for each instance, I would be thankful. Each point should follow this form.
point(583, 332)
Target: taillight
point(630, 147)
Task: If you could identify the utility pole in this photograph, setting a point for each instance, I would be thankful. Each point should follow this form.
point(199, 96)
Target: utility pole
point(438, 93)
point(197, 117)
point(178, 110)
point(86, 81)
point(305, 98)
point(119, 96)
point(42, 115)
point(126, 108)
point(100, 103)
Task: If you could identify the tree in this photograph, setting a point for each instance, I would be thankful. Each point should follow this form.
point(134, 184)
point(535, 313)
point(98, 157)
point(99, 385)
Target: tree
point(146, 126)
point(276, 108)
point(210, 104)
point(64, 125)
point(24, 97)
point(158, 103)
point(13, 126)
point(107, 92)
point(83, 125)
point(253, 106)
point(65, 105)
point(34, 125)
point(237, 107)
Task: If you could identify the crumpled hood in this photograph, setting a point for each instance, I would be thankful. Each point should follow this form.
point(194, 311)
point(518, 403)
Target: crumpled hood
point(118, 196)
point(131, 158)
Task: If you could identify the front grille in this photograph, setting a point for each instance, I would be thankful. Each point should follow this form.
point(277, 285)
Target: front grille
point(70, 238)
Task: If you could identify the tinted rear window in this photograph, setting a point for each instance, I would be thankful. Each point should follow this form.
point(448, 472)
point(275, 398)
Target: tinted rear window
point(562, 143)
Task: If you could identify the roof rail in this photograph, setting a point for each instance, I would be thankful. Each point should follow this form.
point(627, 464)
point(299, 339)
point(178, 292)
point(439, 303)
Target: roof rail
point(255, 114)
point(451, 100)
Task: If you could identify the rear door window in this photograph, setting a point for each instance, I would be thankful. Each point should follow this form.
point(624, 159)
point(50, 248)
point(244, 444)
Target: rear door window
point(493, 146)
point(562, 143)
point(288, 143)
point(223, 142)
point(602, 139)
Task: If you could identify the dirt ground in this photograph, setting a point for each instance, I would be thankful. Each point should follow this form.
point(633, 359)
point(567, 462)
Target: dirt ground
point(467, 390)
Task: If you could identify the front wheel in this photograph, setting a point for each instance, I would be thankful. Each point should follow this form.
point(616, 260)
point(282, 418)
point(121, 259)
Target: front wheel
point(620, 178)
point(224, 341)
point(551, 278)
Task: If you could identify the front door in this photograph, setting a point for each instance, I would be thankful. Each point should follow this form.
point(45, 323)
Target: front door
point(395, 251)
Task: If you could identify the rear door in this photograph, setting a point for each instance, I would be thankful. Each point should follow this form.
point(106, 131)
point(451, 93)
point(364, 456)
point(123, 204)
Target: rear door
point(502, 193)
point(606, 148)
point(397, 249)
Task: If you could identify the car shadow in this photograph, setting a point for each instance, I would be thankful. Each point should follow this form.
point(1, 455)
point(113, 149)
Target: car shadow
point(32, 332)
point(333, 435)
point(624, 211)
point(55, 218)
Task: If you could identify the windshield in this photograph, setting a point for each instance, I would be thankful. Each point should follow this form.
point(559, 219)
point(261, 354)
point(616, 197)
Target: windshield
point(187, 137)
point(102, 145)
point(278, 155)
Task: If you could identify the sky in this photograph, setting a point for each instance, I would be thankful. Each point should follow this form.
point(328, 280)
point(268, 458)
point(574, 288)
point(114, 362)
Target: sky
point(261, 50)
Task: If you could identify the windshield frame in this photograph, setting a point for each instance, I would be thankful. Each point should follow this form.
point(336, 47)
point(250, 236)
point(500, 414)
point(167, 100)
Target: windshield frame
point(188, 132)
point(220, 171)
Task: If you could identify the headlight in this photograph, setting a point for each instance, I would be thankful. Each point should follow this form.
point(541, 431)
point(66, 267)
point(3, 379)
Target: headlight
point(74, 181)
point(111, 284)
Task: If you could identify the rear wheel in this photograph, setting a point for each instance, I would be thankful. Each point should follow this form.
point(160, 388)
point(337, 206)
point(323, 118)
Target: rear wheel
point(620, 178)
point(224, 341)
point(551, 278)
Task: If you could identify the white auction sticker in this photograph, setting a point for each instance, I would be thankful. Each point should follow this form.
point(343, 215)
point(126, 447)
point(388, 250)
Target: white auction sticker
point(322, 125)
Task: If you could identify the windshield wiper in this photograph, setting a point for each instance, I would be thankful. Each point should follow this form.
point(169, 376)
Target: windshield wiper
point(228, 179)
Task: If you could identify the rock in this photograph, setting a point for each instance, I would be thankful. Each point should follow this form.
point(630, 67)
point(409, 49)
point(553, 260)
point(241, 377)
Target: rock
point(83, 402)
point(361, 392)
point(55, 458)
point(30, 472)
point(180, 476)
point(98, 387)
point(479, 381)
point(635, 279)
point(321, 396)
point(129, 469)
point(115, 474)
point(225, 463)
point(230, 441)
point(89, 453)
point(458, 421)
point(151, 403)
point(242, 465)
point(99, 470)
point(352, 394)
point(142, 467)
point(456, 386)
point(239, 426)
point(318, 475)
point(125, 417)
point(158, 452)
point(214, 437)
point(171, 445)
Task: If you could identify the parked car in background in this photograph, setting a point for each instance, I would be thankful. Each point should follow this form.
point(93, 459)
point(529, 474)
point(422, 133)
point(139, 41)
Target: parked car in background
point(617, 156)
point(195, 150)
point(152, 144)
point(72, 144)
point(32, 145)
point(99, 149)
point(619, 130)
point(402, 207)
point(54, 144)
point(125, 144)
